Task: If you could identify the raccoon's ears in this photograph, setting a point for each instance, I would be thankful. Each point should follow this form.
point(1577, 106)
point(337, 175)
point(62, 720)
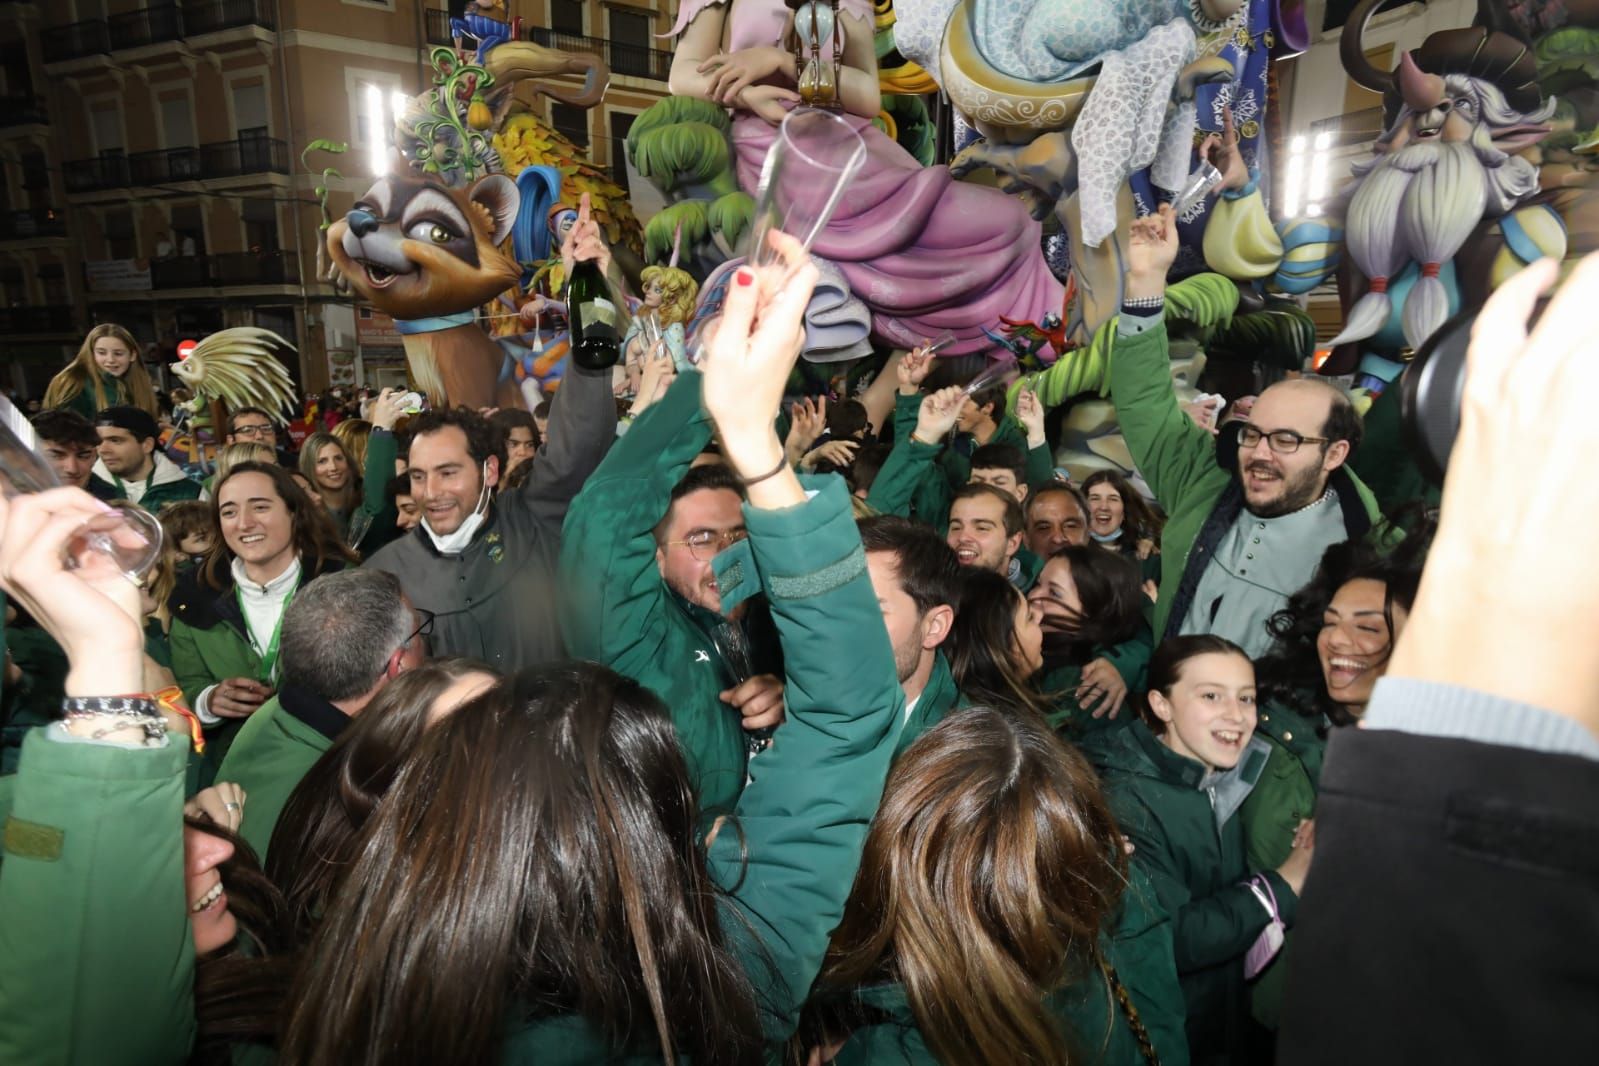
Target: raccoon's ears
point(497, 195)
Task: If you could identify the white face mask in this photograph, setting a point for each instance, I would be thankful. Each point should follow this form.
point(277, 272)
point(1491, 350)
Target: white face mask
point(455, 543)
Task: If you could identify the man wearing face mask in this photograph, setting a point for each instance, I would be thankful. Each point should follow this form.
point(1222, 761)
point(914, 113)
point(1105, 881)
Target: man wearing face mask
point(484, 564)
point(1238, 541)
point(643, 599)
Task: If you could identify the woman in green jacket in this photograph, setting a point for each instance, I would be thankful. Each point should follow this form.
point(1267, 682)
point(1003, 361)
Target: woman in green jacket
point(271, 539)
point(1333, 643)
point(987, 918)
point(106, 372)
point(1176, 794)
point(1096, 642)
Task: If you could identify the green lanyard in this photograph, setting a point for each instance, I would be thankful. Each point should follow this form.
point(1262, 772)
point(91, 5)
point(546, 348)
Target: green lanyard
point(269, 658)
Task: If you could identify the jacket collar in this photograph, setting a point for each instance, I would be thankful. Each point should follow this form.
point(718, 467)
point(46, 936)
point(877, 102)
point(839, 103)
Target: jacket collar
point(202, 606)
point(163, 471)
point(314, 711)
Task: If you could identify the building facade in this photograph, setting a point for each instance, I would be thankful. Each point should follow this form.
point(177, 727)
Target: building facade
point(151, 170)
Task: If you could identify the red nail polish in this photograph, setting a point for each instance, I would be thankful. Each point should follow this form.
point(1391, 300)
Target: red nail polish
point(745, 276)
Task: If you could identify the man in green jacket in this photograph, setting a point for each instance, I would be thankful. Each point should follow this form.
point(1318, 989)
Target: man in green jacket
point(1237, 542)
point(345, 636)
point(921, 472)
point(642, 597)
point(917, 581)
point(133, 464)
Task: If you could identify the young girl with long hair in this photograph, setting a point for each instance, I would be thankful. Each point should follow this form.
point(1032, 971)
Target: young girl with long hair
point(106, 372)
point(996, 645)
point(1175, 781)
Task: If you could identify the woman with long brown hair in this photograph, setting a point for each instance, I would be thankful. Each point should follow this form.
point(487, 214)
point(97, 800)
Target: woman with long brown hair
point(106, 372)
point(985, 913)
point(271, 539)
point(326, 464)
point(996, 645)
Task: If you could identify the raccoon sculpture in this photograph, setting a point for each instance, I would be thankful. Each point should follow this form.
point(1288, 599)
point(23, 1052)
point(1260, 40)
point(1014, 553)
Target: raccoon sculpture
point(428, 255)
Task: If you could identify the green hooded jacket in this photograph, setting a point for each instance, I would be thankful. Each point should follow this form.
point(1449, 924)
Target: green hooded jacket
point(1168, 808)
point(620, 611)
point(273, 750)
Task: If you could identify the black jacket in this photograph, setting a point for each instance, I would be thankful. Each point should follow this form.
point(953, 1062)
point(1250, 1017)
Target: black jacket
point(1452, 910)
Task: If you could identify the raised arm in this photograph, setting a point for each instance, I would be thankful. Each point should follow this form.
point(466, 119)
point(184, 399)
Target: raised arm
point(614, 588)
point(1171, 451)
point(803, 818)
point(583, 414)
point(96, 956)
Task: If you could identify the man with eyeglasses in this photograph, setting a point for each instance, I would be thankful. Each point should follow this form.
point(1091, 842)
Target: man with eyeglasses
point(251, 425)
point(344, 637)
point(1247, 525)
point(642, 598)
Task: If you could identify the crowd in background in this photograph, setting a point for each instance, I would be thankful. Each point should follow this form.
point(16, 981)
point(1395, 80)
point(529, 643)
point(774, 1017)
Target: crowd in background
point(680, 720)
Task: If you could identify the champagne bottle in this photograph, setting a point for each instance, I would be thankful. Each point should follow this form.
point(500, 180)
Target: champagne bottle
point(595, 342)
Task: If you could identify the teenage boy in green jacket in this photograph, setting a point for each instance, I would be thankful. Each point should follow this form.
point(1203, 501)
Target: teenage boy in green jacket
point(1237, 542)
point(641, 596)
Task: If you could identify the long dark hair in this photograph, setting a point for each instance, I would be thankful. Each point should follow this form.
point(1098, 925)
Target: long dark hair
point(316, 835)
point(1139, 520)
point(237, 995)
point(316, 539)
point(984, 882)
point(1108, 586)
point(537, 856)
point(1290, 673)
point(982, 641)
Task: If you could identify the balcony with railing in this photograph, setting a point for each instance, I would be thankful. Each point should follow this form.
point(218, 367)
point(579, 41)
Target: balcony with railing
point(23, 110)
point(626, 59)
point(226, 270)
point(152, 25)
point(76, 40)
point(213, 16)
point(220, 159)
point(53, 319)
point(32, 223)
point(438, 26)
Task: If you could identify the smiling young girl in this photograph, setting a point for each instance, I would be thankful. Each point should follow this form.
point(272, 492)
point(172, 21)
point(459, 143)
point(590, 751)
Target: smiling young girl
point(106, 372)
point(1175, 782)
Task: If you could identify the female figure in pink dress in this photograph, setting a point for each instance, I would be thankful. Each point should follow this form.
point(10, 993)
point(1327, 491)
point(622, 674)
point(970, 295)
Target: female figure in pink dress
point(926, 253)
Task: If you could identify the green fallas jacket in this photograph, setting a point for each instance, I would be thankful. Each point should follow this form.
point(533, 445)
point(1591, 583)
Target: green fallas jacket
point(620, 611)
point(1169, 810)
point(210, 643)
point(919, 480)
point(1138, 946)
point(273, 750)
point(91, 976)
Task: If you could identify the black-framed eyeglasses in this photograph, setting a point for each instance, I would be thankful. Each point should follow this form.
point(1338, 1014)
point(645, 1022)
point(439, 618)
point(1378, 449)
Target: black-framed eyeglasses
point(262, 429)
point(705, 543)
point(425, 629)
point(1281, 441)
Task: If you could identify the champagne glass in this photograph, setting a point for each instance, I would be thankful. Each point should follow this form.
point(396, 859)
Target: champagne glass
point(809, 165)
point(131, 539)
point(1196, 188)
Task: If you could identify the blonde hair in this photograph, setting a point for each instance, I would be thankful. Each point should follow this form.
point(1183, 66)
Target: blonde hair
point(231, 455)
point(678, 290)
point(81, 374)
point(353, 434)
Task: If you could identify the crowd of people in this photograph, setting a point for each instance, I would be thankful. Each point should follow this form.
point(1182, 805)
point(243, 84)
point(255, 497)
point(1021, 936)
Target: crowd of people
point(689, 729)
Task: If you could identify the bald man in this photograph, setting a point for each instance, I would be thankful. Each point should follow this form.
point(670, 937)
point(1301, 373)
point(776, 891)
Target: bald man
point(1248, 524)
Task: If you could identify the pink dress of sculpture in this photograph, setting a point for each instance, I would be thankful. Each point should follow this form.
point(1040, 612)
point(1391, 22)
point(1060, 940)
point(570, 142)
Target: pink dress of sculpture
point(926, 253)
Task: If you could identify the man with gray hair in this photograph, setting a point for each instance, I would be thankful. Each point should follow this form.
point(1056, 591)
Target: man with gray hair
point(344, 636)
